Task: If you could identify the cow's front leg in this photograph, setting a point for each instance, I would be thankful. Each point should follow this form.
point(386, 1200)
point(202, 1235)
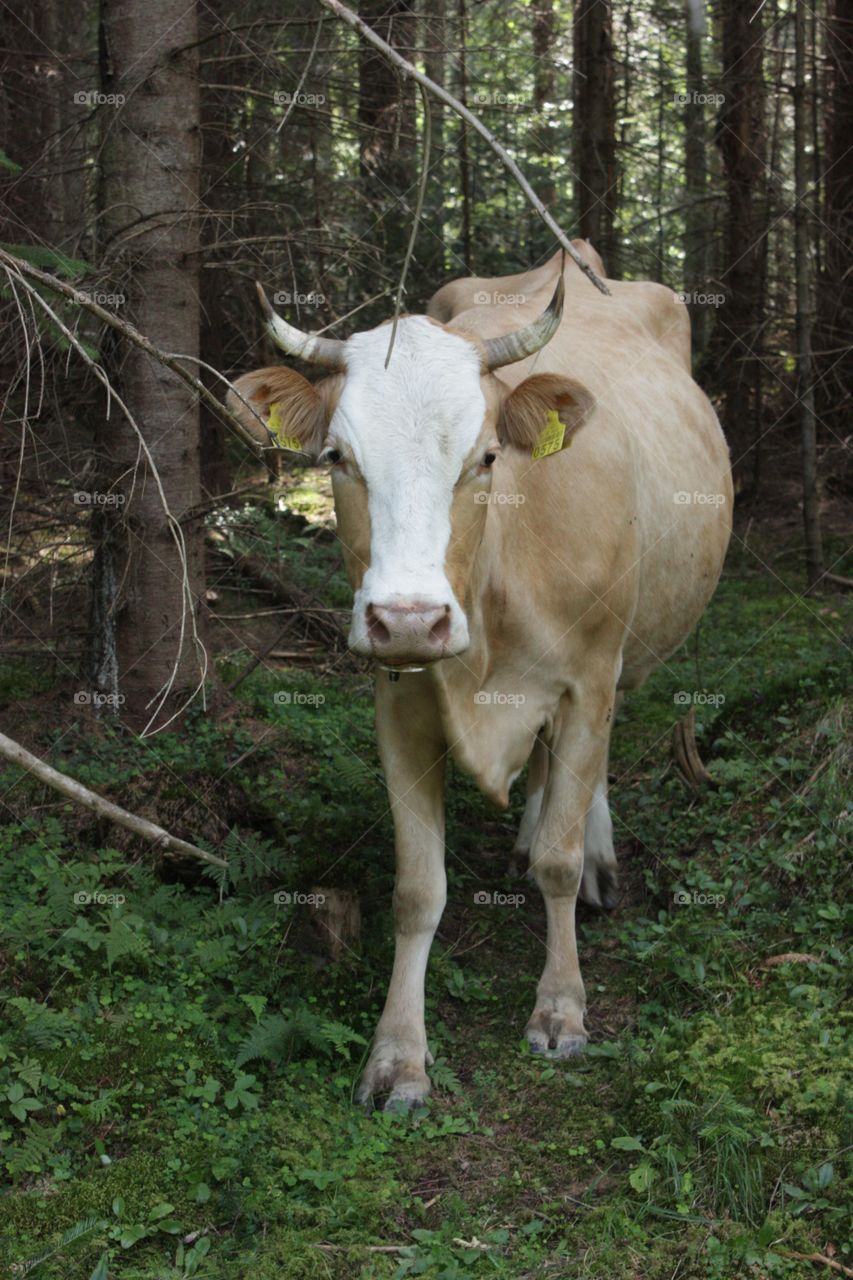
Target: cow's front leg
point(578, 750)
point(412, 749)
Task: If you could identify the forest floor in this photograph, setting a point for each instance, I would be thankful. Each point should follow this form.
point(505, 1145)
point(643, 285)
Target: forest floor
point(178, 1059)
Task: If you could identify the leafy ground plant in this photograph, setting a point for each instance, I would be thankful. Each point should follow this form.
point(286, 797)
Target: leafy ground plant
point(178, 1059)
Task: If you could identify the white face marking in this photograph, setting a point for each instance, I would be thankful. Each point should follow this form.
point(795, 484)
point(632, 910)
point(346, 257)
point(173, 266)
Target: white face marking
point(410, 429)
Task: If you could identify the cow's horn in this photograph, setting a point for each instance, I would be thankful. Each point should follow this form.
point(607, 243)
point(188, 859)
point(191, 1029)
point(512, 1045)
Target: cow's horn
point(306, 346)
point(532, 338)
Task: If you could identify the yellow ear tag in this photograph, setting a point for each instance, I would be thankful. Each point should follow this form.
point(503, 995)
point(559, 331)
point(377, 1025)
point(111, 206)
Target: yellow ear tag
point(550, 437)
point(275, 425)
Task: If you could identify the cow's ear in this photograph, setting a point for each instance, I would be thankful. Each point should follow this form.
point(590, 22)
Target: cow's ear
point(542, 414)
point(288, 405)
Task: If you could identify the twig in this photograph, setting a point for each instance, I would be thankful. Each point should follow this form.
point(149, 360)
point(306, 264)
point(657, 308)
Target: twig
point(837, 580)
point(260, 655)
point(820, 1258)
point(353, 20)
point(413, 235)
point(26, 269)
point(371, 1248)
point(173, 525)
point(104, 808)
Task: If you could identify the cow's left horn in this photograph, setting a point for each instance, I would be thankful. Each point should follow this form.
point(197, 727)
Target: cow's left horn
point(306, 346)
point(532, 338)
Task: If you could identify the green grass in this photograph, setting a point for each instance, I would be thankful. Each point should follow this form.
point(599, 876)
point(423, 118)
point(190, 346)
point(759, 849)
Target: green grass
point(177, 1067)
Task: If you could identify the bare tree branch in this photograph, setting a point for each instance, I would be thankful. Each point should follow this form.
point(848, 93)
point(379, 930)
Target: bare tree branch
point(352, 19)
point(104, 808)
point(27, 270)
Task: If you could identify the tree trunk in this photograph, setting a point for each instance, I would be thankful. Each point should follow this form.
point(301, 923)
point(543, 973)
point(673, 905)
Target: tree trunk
point(695, 180)
point(805, 381)
point(544, 34)
point(36, 88)
point(835, 302)
point(147, 599)
point(594, 150)
point(740, 135)
point(434, 27)
point(219, 173)
point(464, 162)
point(386, 122)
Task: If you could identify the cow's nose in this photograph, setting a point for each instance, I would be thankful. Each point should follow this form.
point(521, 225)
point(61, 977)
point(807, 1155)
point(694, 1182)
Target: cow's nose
point(408, 633)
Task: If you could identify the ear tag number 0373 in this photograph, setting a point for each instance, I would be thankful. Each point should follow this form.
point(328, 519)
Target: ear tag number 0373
point(550, 437)
point(275, 425)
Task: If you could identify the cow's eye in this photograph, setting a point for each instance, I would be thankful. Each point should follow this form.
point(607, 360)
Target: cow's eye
point(488, 459)
point(330, 457)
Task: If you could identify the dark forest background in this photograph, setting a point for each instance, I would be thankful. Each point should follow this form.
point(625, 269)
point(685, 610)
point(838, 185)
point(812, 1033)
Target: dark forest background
point(162, 158)
point(185, 1007)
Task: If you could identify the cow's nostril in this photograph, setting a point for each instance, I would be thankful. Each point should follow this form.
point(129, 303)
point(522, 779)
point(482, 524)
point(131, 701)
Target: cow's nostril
point(376, 628)
point(440, 631)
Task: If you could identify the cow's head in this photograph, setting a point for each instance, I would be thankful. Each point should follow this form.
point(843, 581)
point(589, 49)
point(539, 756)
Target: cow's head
point(411, 443)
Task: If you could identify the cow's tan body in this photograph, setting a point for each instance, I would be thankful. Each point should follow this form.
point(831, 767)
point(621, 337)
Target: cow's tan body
point(599, 554)
point(568, 578)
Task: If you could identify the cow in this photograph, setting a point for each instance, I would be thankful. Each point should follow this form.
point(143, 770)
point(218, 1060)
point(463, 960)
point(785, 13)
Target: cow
point(533, 499)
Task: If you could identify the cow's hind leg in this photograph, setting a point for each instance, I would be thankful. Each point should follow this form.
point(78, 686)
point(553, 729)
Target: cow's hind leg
point(578, 756)
point(537, 775)
point(600, 881)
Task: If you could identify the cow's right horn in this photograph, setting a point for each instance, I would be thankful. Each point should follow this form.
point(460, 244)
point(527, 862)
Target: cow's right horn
point(532, 338)
point(328, 352)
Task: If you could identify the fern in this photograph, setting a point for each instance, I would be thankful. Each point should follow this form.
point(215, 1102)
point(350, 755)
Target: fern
point(43, 1027)
point(30, 1072)
point(267, 1039)
point(68, 1237)
point(340, 1037)
point(97, 1111)
point(33, 1155)
point(352, 773)
point(444, 1077)
point(251, 859)
point(277, 1037)
point(123, 941)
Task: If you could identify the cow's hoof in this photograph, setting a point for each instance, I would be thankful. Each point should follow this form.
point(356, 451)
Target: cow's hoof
point(390, 1070)
point(600, 887)
point(608, 888)
point(555, 1034)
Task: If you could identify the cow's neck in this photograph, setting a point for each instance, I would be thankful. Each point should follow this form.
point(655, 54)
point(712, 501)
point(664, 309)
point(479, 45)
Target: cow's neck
point(490, 706)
